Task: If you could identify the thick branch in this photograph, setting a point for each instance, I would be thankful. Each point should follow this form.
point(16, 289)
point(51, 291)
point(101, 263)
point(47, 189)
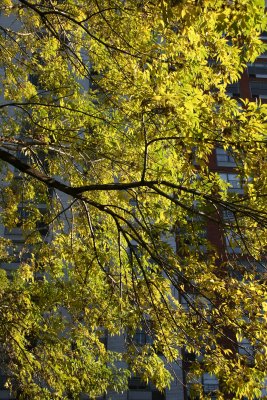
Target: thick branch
point(27, 169)
point(77, 192)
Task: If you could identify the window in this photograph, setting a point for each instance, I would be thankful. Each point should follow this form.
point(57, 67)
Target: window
point(234, 181)
point(224, 158)
point(210, 383)
point(232, 242)
point(228, 216)
point(135, 383)
point(247, 350)
point(138, 390)
point(141, 337)
point(135, 395)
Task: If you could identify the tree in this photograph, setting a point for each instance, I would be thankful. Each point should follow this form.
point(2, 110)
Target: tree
point(111, 112)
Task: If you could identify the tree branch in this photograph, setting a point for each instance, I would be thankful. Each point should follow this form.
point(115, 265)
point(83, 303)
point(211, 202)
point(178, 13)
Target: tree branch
point(77, 192)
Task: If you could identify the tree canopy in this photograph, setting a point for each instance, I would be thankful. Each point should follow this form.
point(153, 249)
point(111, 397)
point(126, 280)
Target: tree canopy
point(111, 112)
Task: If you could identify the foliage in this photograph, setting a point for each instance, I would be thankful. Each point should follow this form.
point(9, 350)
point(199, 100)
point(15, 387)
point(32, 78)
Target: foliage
point(111, 112)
